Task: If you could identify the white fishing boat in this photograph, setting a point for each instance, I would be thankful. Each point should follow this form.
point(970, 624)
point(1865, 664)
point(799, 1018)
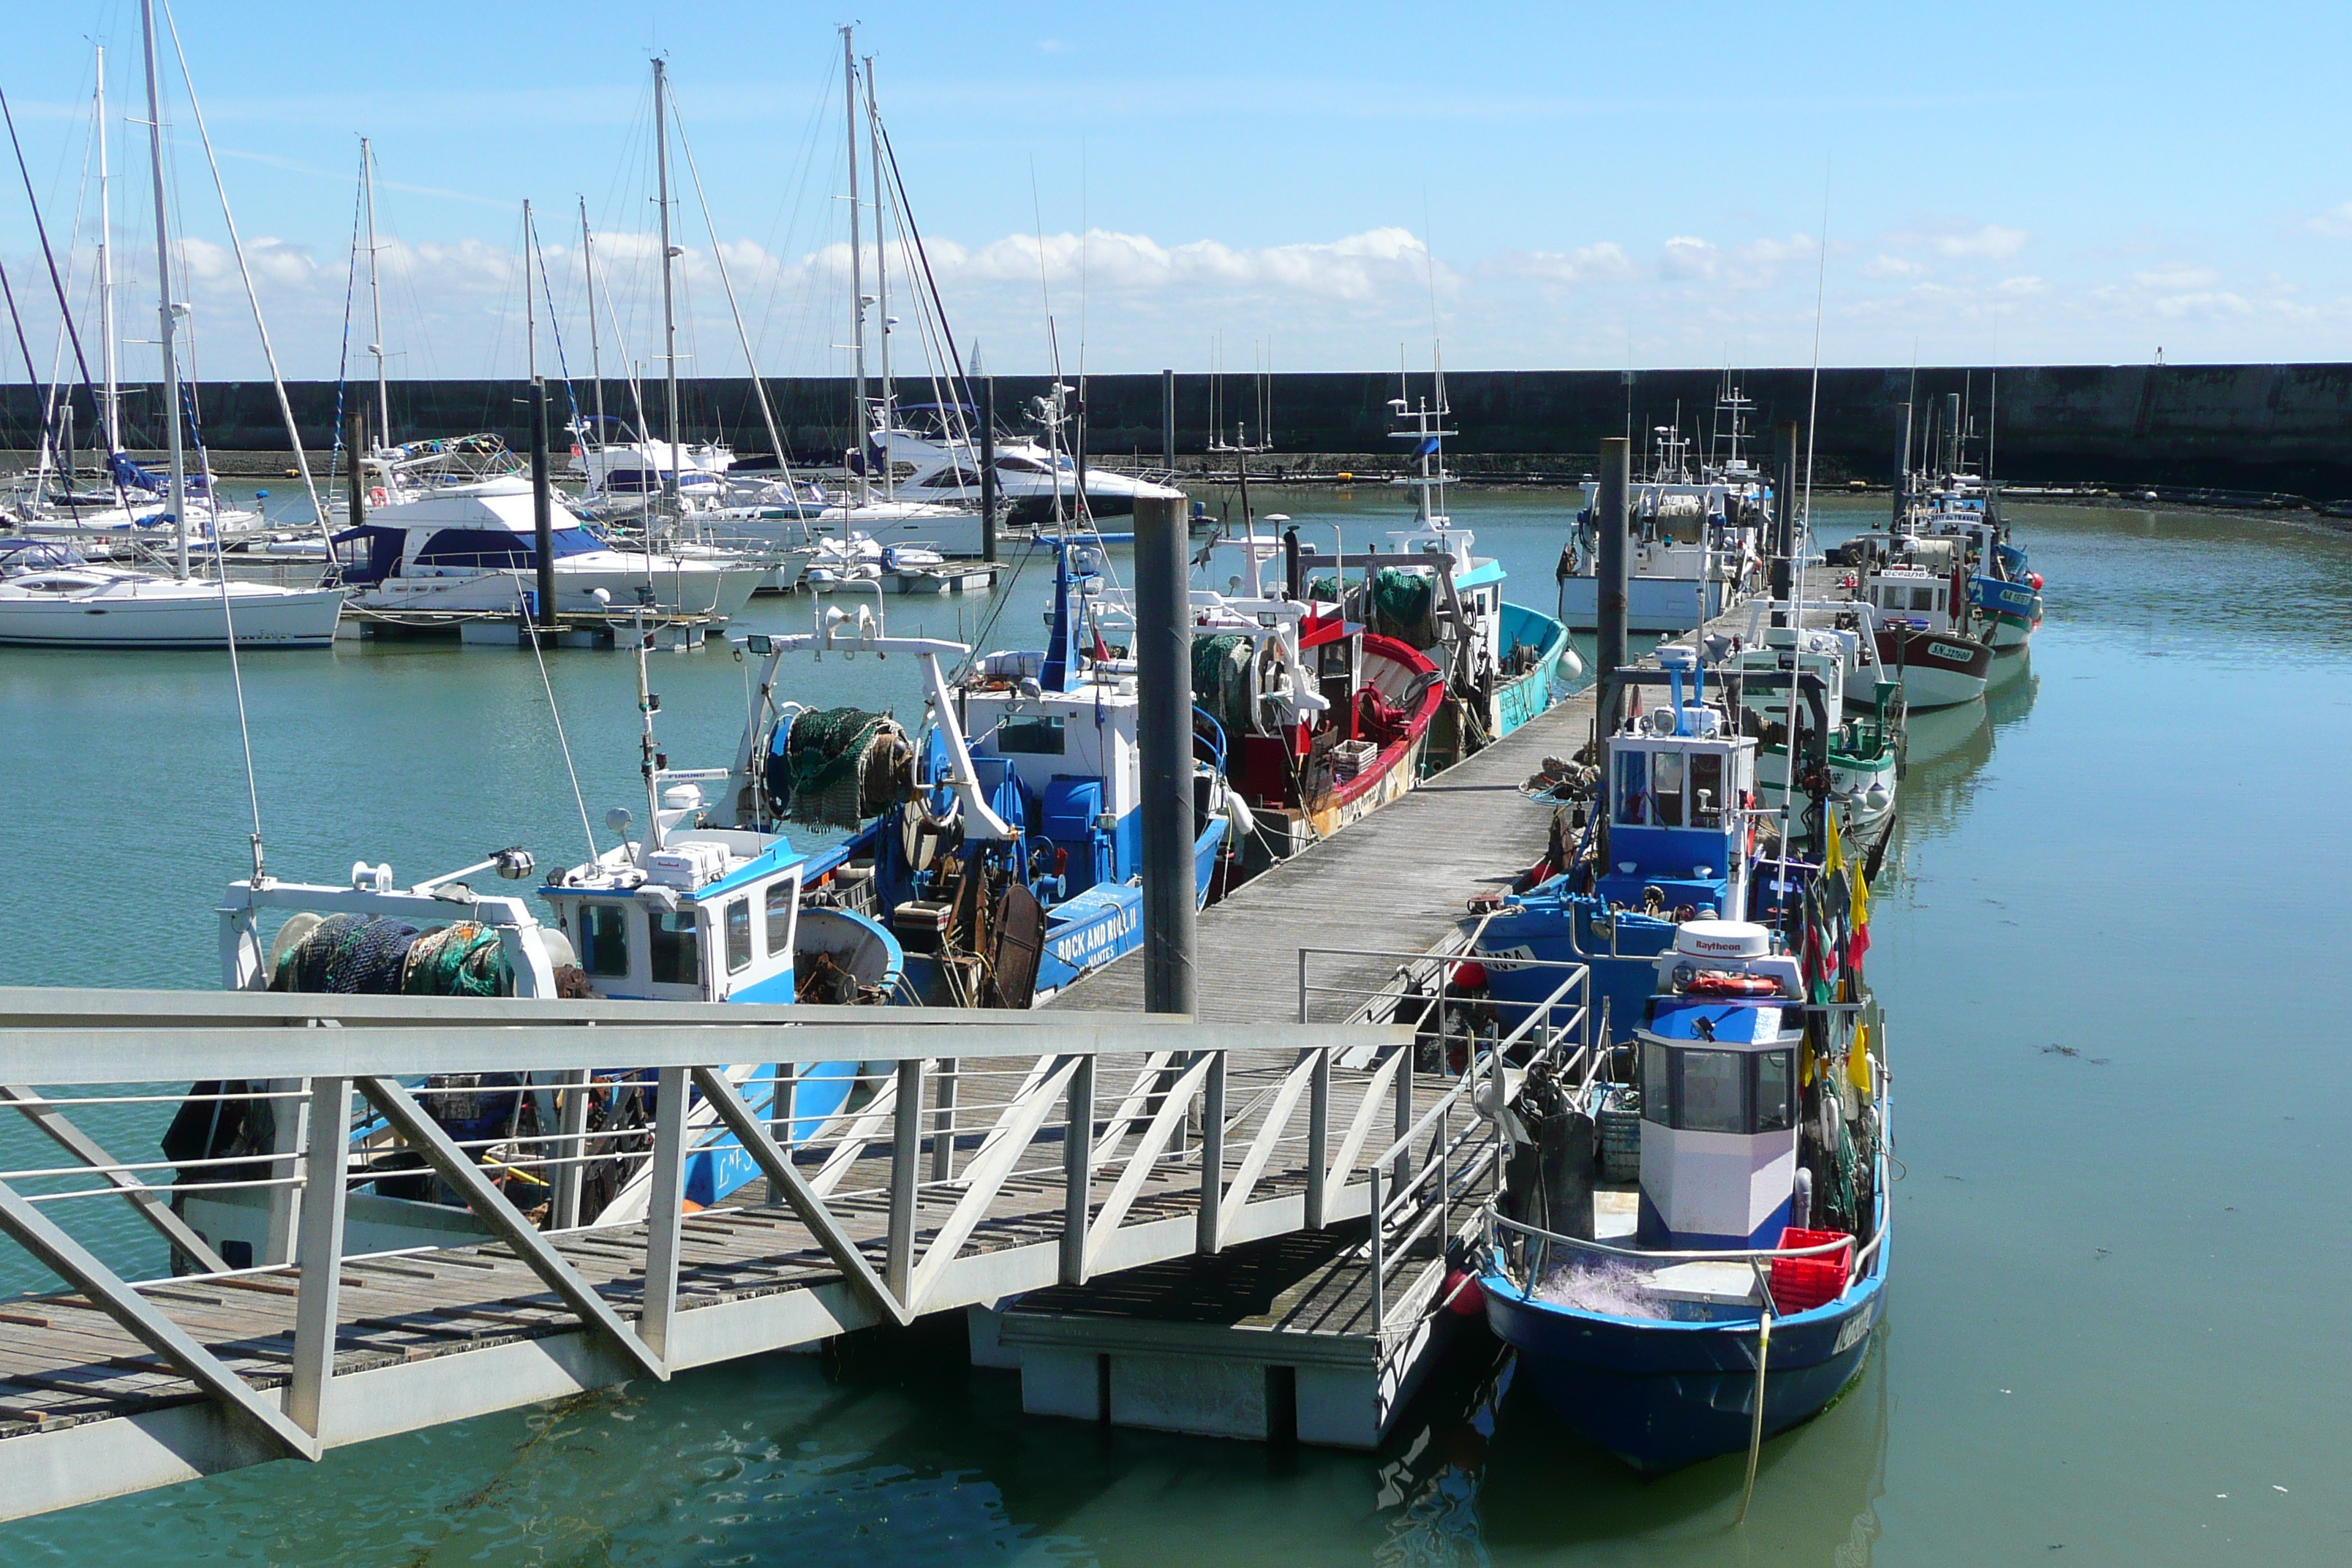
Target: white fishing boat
point(1697, 533)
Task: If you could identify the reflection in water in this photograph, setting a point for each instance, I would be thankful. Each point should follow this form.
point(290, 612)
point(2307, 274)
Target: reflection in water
point(1488, 1476)
point(1945, 749)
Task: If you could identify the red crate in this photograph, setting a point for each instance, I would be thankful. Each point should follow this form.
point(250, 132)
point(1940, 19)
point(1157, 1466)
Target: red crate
point(1800, 1284)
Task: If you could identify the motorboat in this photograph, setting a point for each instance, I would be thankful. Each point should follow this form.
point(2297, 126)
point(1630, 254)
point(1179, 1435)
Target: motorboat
point(930, 452)
point(472, 547)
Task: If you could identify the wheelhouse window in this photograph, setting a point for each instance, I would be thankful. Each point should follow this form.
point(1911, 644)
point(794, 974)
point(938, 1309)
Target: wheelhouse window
point(1706, 789)
point(780, 917)
point(1667, 789)
point(605, 940)
point(1922, 598)
point(1700, 1089)
point(1710, 1096)
point(738, 918)
point(674, 948)
point(1632, 787)
point(1031, 737)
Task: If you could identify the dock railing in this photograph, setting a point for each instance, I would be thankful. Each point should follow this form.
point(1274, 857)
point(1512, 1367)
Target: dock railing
point(968, 1138)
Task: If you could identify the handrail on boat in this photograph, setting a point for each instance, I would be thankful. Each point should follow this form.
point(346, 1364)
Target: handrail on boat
point(1742, 1255)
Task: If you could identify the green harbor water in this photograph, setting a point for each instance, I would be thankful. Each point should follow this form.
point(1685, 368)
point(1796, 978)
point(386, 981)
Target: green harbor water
point(2123, 1108)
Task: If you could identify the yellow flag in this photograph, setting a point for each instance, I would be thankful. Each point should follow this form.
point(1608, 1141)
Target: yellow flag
point(1860, 915)
point(1857, 1061)
point(1836, 855)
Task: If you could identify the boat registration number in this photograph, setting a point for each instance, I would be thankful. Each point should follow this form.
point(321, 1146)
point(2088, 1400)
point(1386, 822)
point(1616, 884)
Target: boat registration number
point(1852, 1332)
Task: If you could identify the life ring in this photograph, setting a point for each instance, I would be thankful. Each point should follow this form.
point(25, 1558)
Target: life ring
point(1747, 809)
point(376, 496)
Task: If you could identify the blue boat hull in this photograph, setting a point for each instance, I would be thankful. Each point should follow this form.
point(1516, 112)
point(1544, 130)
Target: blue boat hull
point(1625, 980)
point(1661, 1394)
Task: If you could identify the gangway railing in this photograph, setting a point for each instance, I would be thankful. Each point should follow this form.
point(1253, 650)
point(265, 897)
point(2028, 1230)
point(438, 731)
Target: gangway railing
point(1442, 1162)
point(978, 1154)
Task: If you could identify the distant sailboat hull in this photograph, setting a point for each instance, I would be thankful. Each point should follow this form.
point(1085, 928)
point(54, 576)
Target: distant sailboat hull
point(159, 614)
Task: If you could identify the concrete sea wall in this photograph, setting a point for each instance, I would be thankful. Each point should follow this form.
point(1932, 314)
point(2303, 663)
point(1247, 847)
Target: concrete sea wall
point(2277, 427)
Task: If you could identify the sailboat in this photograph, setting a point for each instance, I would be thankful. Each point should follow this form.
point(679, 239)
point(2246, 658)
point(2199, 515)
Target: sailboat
point(84, 604)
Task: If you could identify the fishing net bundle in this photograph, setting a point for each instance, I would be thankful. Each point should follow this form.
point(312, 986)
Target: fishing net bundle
point(1221, 680)
point(837, 767)
point(370, 955)
point(1402, 605)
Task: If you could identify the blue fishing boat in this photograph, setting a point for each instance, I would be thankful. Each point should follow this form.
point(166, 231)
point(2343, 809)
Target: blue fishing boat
point(1664, 830)
point(1712, 1275)
point(1727, 1291)
point(1002, 846)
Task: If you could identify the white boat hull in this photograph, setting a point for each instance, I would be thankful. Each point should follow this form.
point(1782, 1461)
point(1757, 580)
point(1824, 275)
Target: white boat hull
point(688, 588)
point(177, 615)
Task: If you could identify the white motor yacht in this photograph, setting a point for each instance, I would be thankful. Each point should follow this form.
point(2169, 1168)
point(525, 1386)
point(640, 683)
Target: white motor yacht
point(473, 548)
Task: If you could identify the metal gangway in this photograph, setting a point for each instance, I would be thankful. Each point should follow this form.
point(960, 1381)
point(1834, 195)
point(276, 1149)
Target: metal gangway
point(981, 1154)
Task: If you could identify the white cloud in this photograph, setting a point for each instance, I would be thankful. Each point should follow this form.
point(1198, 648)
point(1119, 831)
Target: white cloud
point(2175, 280)
point(2336, 222)
point(1604, 262)
point(1893, 267)
point(2024, 286)
point(1960, 241)
point(1685, 256)
point(1773, 252)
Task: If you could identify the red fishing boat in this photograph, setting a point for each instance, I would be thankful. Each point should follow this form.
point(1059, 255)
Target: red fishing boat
point(1321, 722)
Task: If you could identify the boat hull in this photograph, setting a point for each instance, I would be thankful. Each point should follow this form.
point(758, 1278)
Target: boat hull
point(1851, 780)
point(304, 618)
point(1663, 1393)
point(1938, 670)
point(688, 589)
point(1530, 693)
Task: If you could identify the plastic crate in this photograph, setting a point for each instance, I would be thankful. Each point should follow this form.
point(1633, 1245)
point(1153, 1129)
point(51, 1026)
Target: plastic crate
point(1800, 1284)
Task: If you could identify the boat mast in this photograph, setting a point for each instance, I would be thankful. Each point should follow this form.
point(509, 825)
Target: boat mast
point(595, 350)
point(881, 278)
point(530, 306)
point(169, 318)
point(375, 302)
point(857, 266)
point(670, 256)
point(111, 412)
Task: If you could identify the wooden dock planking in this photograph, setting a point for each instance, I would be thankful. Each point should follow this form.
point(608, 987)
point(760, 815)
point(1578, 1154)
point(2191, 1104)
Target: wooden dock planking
point(1397, 881)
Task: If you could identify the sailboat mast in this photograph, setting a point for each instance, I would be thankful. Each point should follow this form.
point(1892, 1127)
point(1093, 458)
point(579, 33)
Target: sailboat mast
point(595, 350)
point(110, 414)
point(856, 263)
point(375, 303)
point(530, 306)
point(881, 275)
point(179, 461)
point(670, 256)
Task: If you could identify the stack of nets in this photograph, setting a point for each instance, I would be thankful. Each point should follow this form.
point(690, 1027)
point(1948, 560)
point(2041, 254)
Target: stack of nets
point(1402, 605)
point(837, 767)
point(1221, 681)
point(367, 955)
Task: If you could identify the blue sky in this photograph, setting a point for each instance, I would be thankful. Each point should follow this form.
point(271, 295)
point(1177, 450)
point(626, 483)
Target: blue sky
point(1574, 186)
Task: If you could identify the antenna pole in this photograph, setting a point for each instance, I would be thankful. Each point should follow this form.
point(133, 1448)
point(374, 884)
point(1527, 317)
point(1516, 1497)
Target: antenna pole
point(881, 280)
point(529, 305)
point(595, 348)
